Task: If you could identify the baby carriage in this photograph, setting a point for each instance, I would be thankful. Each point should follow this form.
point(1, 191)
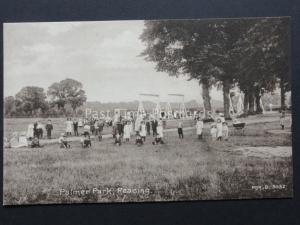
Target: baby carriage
point(239, 127)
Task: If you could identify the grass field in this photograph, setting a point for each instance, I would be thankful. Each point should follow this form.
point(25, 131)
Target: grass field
point(186, 169)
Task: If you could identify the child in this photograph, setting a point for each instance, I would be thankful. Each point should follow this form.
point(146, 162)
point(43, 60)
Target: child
point(75, 127)
point(138, 139)
point(69, 126)
point(213, 132)
point(199, 128)
point(86, 141)
point(100, 129)
point(157, 140)
point(160, 131)
point(148, 126)
point(86, 129)
point(7, 143)
point(30, 131)
point(179, 129)
point(219, 129)
point(127, 131)
point(143, 131)
point(40, 130)
point(282, 122)
point(63, 141)
point(35, 143)
point(225, 131)
point(49, 128)
point(118, 139)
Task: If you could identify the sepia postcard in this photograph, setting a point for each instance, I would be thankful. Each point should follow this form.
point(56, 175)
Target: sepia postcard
point(139, 111)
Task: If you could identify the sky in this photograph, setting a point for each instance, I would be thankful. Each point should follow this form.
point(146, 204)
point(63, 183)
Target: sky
point(103, 56)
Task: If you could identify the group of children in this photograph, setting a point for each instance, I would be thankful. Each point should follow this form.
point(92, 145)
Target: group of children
point(124, 129)
point(218, 131)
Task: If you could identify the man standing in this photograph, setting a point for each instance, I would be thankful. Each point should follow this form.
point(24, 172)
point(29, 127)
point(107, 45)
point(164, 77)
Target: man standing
point(49, 128)
point(75, 127)
point(154, 124)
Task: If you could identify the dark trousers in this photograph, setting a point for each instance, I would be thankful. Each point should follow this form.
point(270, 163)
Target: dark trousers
point(180, 132)
point(49, 134)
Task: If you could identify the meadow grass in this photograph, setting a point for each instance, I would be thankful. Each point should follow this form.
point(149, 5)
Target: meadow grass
point(186, 169)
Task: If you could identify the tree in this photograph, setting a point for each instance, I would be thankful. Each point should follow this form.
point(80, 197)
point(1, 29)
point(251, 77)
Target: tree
point(201, 49)
point(67, 91)
point(30, 99)
point(9, 106)
point(174, 46)
point(264, 60)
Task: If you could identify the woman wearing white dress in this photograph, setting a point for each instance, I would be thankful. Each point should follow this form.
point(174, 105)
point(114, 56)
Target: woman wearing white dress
point(127, 131)
point(160, 130)
point(30, 131)
point(69, 128)
point(143, 131)
point(199, 128)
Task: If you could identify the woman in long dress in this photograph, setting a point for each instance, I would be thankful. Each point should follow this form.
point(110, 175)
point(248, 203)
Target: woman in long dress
point(127, 131)
point(143, 131)
point(160, 131)
point(30, 131)
point(69, 128)
point(199, 128)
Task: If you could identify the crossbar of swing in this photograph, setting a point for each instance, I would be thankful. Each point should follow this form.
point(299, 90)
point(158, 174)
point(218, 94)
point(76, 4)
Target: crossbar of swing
point(179, 95)
point(153, 95)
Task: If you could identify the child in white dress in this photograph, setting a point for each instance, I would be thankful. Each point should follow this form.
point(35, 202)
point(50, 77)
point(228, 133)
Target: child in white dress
point(225, 131)
point(219, 129)
point(199, 128)
point(213, 132)
point(127, 131)
point(143, 130)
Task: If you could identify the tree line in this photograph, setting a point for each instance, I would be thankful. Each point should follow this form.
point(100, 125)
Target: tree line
point(251, 54)
point(61, 98)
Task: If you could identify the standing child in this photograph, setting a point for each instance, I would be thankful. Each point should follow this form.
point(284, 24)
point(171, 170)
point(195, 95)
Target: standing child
point(160, 129)
point(148, 126)
point(69, 126)
point(40, 130)
point(219, 129)
point(143, 130)
point(118, 139)
point(199, 128)
point(282, 122)
point(179, 128)
point(75, 127)
point(225, 131)
point(127, 131)
point(213, 132)
point(49, 128)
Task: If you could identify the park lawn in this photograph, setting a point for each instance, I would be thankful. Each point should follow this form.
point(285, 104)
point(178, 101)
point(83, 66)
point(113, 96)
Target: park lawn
point(186, 169)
